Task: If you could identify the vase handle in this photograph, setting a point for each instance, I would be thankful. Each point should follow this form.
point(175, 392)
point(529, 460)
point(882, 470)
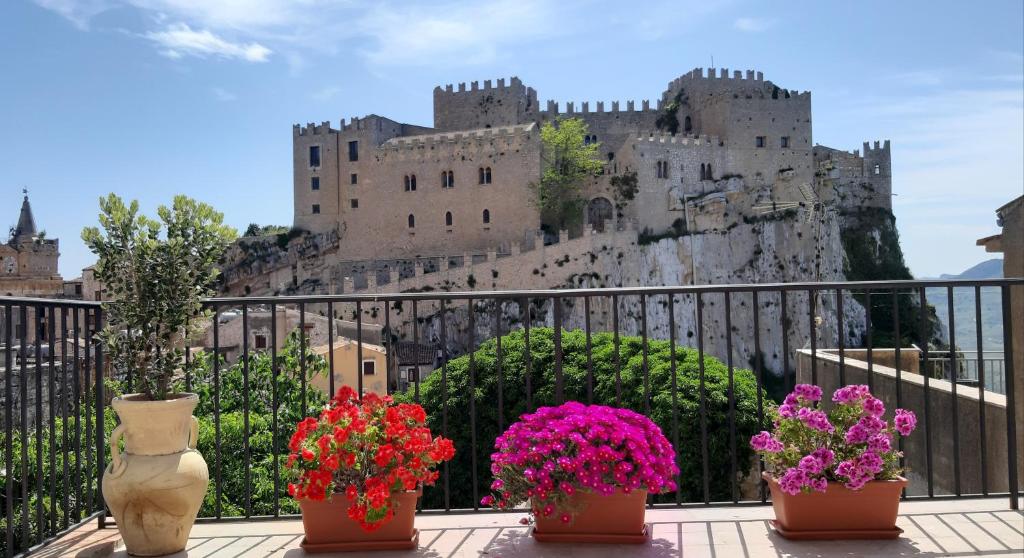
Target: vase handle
point(117, 465)
point(193, 433)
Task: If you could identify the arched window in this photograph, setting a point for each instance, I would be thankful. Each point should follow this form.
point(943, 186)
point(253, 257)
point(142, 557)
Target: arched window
point(412, 221)
point(703, 172)
point(687, 124)
point(412, 182)
point(711, 176)
point(481, 172)
point(407, 183)
point(586, 140)
point(447, 179)
point(448, 218)
point(878, 169)
point(487, 175)
point(487, 216)
point(444, 179)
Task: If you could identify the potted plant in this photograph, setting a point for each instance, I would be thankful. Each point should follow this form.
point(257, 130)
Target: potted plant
point(155, 275)
point(357, 470)
point(834, 475)
point(586, 471)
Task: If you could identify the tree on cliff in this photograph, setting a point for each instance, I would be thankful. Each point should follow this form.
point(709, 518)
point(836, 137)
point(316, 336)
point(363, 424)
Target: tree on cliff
point(567, 162)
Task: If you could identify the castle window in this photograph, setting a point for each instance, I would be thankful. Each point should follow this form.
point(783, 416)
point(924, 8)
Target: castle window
point(703, 172)
point(261, 340)
point(687, 124)
point(784, 142)
point(354, 203)
point(412, 182)
point(353, 151)
point(878, 169)
point(586, 140)
point(412, 221)
point(354, 178)
point(481, 173)
point(314, 155)
point(759, 141)
point(447, 179)
point(661, 169)
point(316, 209)
point(314, 183)
point(407, 183)
point(487, 216)
point(710, 176)
point(448, 218)
point(485, 175)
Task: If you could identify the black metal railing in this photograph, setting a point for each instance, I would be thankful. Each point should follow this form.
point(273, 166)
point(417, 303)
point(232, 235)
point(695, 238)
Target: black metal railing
point(705, 362)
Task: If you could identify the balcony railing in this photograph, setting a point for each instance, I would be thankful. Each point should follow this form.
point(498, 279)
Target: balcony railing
point(705, 362)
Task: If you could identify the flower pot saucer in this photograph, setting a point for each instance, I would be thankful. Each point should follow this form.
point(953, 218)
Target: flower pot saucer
point(362, 546)
point(836, 534)
point(644, 537)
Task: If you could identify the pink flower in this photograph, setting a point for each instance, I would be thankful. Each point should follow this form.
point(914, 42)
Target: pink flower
point(905, 422)
point(811, 465)
point(815, 419)
point(850, 394)
point(765, 442)
point(793, 481)
point(807, 392)
point(819, 484)
point(880, 443)
point(825, 455)
point(874, 407)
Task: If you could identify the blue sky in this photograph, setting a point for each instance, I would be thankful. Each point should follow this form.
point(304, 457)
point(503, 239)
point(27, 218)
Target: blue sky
point(149, 98)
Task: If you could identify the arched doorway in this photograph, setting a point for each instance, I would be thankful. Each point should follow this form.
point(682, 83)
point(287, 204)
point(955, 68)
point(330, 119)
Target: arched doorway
point(598, 211)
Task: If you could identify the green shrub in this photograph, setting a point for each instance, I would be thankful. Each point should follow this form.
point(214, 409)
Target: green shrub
point(574, 367)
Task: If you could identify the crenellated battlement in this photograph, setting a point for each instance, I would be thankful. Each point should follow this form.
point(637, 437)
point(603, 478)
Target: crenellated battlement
point(311, 129)
point(721, 78)
point(514, 84)
point(614, 107)
point(877, 149)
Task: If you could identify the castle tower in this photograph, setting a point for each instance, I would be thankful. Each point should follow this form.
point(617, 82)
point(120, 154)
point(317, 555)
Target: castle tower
point(26, 228)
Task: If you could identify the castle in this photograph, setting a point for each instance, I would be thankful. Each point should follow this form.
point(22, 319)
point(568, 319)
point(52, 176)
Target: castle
point(726, 186)
point(28, 261)
point(392, 191)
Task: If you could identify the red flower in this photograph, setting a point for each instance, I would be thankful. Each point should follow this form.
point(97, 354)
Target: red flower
point(373, 448)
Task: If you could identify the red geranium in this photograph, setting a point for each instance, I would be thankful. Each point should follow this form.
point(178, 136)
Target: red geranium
point(368, 450)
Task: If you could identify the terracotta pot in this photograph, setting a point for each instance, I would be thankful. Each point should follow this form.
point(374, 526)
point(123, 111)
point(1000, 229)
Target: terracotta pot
point(838, 513)
point(155, 488)
point(616, 519)
point(329, 528)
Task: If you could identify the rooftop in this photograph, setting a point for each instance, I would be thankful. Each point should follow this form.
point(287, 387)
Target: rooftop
point(968, 527)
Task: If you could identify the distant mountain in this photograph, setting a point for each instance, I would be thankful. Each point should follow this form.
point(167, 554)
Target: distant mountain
point(963, 306)
point(988, 269)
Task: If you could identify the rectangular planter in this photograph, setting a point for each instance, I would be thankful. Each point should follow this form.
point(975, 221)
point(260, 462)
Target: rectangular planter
point(838, 513)
point(617, 518)
point(328, 527)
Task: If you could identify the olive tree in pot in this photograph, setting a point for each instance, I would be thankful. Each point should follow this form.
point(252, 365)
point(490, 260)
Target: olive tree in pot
point(155, 275)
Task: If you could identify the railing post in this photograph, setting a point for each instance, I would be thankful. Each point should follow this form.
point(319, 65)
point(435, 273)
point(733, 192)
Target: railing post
point(100, 455)
point(1011, 408)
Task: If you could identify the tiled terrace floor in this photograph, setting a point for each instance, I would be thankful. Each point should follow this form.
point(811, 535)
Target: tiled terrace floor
point(936, 528)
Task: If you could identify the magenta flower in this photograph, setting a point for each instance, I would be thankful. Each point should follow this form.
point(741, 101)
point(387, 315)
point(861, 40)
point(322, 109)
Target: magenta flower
point(851, 444)
point(550, 454)
point(766, 442)
point(905, 422)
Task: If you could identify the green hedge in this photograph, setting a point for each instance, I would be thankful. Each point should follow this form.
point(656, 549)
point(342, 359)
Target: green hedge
point(574, 367)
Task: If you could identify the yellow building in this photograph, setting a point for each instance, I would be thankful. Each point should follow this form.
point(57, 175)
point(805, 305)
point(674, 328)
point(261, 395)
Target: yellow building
point(373, 367)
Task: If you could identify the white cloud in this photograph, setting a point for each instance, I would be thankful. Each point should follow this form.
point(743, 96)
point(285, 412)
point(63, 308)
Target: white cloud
point(224, 95)
point(326, 93)
point(753, 24)
point(455, 33)
point(178, 40)
point(78, 12)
